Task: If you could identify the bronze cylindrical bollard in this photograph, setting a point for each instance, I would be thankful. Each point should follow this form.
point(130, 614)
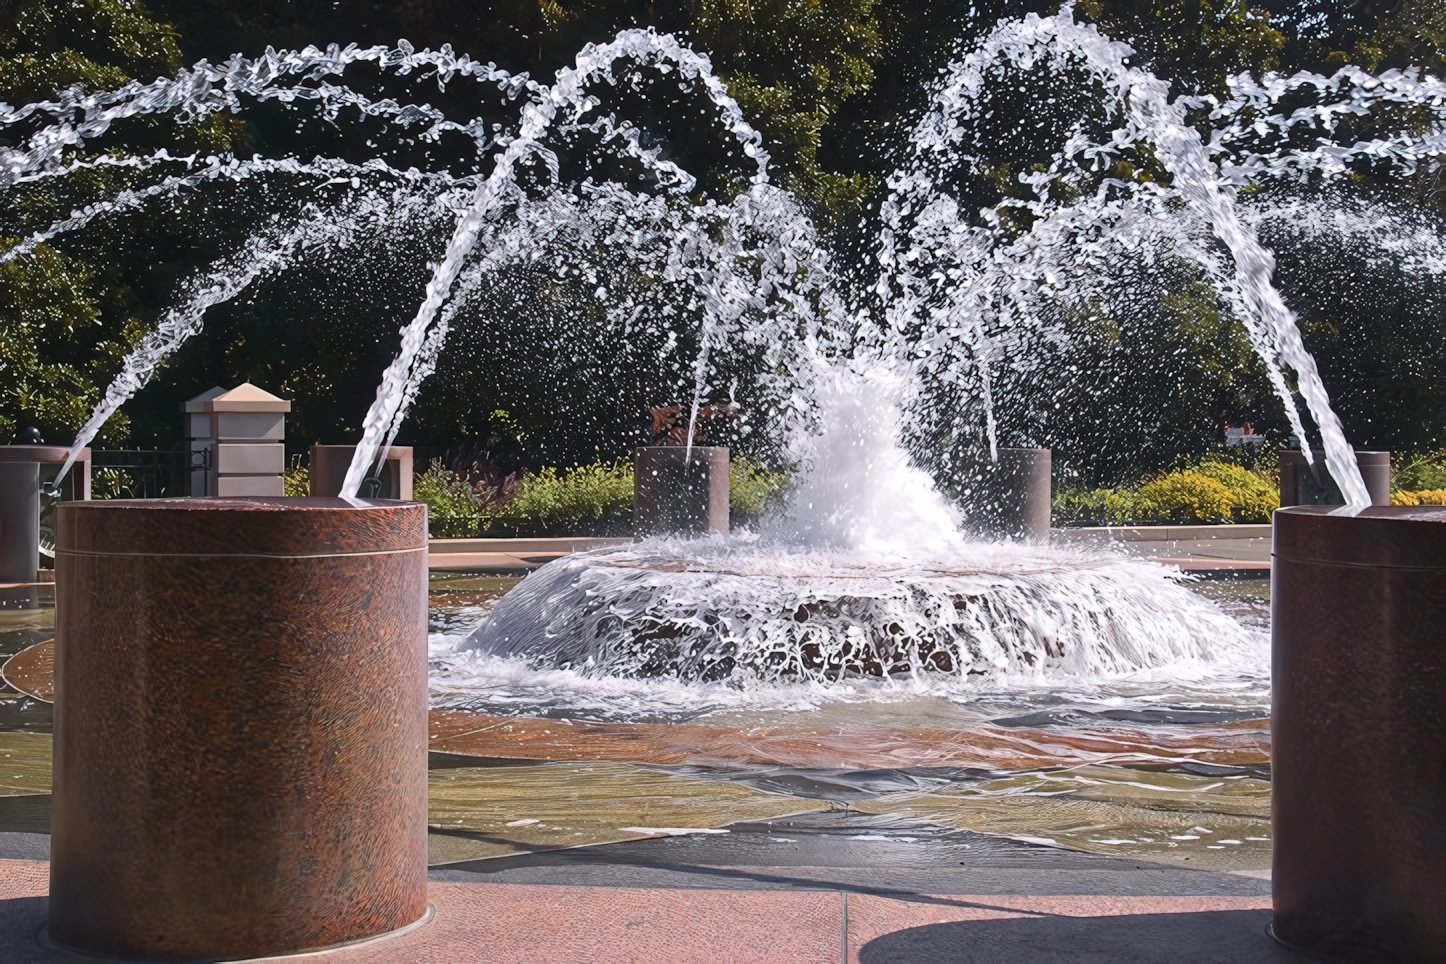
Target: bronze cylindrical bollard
point(19, 520)
point(680, 491)
point(1358, 624)
point(240, 726)
point(329, 464)
point(1013, 494)
point(1299, 485)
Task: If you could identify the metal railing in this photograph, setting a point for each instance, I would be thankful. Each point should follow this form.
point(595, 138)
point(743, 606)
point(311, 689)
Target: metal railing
point(138, 474)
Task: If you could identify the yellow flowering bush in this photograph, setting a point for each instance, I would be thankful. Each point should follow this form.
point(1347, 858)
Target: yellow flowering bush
point(1211, 491)
point(1422, 497)
point(1188, 495)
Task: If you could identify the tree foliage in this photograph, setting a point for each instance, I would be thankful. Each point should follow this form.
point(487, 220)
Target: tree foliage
point(833, 85)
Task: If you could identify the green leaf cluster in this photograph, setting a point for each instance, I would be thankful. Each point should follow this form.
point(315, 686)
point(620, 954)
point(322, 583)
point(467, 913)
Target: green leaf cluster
point(1419, 471)
point(594, 499)
point(1211, 491)
point(49, 357)
point(67, 317)
point(51, 45)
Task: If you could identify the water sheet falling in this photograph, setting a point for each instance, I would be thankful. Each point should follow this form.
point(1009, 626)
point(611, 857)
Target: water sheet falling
point(710, 612)
point(944, 279)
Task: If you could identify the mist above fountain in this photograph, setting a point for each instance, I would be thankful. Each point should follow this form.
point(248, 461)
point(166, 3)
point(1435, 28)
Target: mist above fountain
point(951, 322)
point(964, 306)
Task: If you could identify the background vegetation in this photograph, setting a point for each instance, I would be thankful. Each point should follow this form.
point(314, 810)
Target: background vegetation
point(832, 84)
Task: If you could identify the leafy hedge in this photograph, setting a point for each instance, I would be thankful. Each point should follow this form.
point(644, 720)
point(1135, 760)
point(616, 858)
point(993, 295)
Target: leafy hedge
point(1419, 497)
point(1210, 491)
point(592, 499)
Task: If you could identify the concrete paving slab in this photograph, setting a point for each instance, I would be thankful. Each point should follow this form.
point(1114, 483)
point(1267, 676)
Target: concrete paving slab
point(517, 923)
point(1076, 930)
point(25, 846)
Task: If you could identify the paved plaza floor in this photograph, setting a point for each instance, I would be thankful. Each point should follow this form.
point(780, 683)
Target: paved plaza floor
point(825, 887)
point(829, 885)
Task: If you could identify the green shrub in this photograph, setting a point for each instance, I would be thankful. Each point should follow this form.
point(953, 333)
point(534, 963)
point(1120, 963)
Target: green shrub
point(1188, 495)
point(1253, 495)
point(1210, 491)
point(753, 488)
point(1422, 471)
point(455, 507)
point(592, 499)
point(112, 484)
point(553, 500)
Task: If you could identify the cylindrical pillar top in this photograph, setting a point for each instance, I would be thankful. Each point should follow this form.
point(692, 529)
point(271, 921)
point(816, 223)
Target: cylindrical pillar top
point(242, 526)
point(39, 453)
point(1378, 535)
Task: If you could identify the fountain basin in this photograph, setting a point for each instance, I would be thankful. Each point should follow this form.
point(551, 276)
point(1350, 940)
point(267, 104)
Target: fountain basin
point(711, 610)
point(1359, 729)
point(240, 725)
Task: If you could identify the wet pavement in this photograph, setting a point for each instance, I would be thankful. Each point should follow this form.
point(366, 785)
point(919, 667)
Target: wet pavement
point(1032, 829)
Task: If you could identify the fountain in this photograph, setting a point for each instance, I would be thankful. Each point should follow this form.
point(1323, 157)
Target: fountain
point(869, 585)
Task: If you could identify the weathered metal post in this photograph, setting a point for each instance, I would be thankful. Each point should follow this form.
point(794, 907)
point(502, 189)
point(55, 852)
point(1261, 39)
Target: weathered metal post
point(1299, 485)
point(329, 465)
point(680, 491)
point(19, 518)
point(1358, 723)
point(1015, 494)
point(240, 725)
point(21, 469)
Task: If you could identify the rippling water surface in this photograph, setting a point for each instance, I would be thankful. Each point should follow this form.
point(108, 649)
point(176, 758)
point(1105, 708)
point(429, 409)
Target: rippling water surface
point(1162, 769)
point(1145, 764)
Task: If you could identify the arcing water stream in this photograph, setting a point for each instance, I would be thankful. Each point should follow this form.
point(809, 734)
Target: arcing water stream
point(956, 293)
point(864, 595)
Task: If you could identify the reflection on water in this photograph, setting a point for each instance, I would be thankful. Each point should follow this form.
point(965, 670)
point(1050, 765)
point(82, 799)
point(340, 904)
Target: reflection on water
point(487, 812)
point(19, 630)
point(1248, 600)
point(458, 601)
point(1148, 766)
point(1152, 768)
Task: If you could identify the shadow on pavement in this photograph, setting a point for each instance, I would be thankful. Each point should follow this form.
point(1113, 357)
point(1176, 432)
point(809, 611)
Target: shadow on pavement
point(1208, 937)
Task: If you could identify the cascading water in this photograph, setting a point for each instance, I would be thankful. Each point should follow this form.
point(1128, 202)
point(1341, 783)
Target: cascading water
point(949, 272)
point(867, 571)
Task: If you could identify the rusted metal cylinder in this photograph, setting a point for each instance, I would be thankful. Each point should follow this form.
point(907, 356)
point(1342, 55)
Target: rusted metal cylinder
point(1358, 723)
point(1013, 495)
point(1299, 485)
point(680, 491)
point(240, 762)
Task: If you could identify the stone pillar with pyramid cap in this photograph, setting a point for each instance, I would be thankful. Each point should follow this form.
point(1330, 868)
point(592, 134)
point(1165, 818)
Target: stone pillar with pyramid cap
point(235, 442)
